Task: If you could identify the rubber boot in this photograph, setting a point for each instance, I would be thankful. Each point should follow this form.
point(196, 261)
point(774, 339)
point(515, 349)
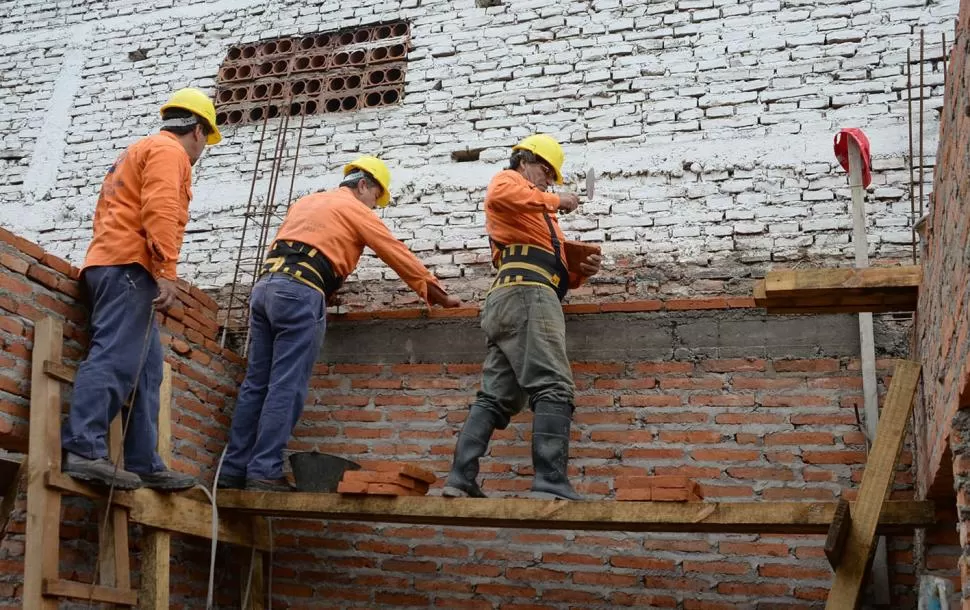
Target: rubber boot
point(472, 444)
point(550, 449)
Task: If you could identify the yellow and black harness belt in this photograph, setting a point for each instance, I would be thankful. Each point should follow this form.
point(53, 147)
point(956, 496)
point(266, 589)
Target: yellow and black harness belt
point(305, 263)
point(533, 265)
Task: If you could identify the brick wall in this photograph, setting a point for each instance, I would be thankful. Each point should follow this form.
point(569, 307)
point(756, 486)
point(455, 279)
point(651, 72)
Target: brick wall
point(777, 424)
point(752, 407)
point(33, 285)
point(944, 318)
point(709, 123)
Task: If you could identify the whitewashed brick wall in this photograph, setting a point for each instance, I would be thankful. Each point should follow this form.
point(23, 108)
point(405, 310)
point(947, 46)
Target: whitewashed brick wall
point(709, 124)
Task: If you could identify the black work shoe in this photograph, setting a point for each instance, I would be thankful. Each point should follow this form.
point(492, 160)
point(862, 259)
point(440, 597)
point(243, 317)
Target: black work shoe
point(550, 449)
point(462, 490)
point(231, 481)
point(281, 485)
point(100, 471)
point(168, 480)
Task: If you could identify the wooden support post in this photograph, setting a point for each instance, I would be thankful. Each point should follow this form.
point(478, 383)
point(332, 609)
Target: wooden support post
point(838, 532)
point(876, 484)
point(156, 555)
point(257, 588)
point(44, 454)
point(114, 570)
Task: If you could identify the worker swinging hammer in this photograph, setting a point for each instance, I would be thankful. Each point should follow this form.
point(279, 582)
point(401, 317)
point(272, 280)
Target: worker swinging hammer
point(129, 272)
point(318, 245)
point(526, 362)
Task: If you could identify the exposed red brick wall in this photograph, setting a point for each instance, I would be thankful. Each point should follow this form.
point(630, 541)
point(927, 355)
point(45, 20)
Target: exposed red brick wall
point(33, 285)
point(943, 318)
point(745, 428)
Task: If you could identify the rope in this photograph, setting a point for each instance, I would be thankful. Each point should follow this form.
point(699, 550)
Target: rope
point(121, 453)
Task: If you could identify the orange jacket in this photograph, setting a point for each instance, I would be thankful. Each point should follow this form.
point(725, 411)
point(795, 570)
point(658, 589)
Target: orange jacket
point(514, 214)
point(337, 224)
point(144, 207)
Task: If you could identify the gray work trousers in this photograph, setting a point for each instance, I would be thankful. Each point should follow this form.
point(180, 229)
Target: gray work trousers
point(526, 360)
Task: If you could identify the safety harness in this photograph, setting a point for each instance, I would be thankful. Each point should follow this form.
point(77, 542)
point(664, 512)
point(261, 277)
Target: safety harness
point(305, 263)
point(527, 264)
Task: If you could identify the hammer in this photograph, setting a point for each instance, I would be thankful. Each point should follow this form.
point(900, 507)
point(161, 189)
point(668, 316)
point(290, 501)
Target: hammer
point(590, 184)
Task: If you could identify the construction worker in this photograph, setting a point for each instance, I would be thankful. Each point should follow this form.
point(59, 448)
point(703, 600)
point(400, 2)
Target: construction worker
point(526, 362)
point(129, 273)
point(318, 245)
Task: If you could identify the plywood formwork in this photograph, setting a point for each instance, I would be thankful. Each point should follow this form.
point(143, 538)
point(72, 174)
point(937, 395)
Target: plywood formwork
point(840, 290)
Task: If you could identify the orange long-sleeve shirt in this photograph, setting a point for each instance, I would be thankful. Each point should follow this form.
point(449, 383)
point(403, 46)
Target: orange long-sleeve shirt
point(515, 214)
point(143, 207)
point(337, 224)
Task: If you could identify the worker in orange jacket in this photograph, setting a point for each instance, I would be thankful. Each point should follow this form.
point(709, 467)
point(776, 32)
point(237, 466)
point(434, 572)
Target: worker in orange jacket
point(526, 362)
point(129, 273)
point(318, 245)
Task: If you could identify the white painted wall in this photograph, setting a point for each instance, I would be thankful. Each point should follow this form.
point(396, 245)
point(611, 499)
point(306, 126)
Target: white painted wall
point(709, 123)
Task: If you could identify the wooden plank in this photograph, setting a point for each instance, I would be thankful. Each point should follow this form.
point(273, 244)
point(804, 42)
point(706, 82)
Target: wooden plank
point(78, 590)
point(838, 531)
point(175, 513)
point(606, 515)
point(876, 484)
point(44, 455)
point(156, 557)
point(805, 282)
point(114, 568)
point(10, 496)
point(256, 599)
point(59, 371)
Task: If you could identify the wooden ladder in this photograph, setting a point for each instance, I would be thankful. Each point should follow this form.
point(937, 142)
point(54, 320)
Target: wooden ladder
point(45, 485)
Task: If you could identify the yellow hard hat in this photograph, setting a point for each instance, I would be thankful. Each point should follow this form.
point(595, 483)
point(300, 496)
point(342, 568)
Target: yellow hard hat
point(199, 104)
point(376, 168)
point(546, 148)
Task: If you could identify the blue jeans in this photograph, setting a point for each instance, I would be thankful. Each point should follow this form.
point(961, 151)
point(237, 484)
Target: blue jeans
point(121, 310)
point(287, 321)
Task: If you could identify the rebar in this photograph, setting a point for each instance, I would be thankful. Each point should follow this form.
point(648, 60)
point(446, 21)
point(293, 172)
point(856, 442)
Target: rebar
point(912, 176)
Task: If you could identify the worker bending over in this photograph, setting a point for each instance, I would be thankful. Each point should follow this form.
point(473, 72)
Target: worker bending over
point(317, 247)
point(526, 363)
point(129, 272)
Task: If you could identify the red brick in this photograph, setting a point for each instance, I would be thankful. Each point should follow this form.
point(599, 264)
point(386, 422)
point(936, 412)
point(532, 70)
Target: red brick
point(536, 575)
point(699, 303)
point(643, 383)
point(799, 438)
point(806, 366)
point(632, 306)
point(607, 579)
point(733, 365)
point(691, 436)
point(722, 400)
point(651, 400)
point(800, 400)
point(14, 263)
point(642, 563)
point(663, 368)
point(675, 418)
point(14, 284)
point(753, 548)
point(748, 418)
point(716, 567)
point(834, 457)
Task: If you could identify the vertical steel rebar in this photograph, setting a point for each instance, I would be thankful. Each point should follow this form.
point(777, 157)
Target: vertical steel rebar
point(296, 158)
point(922, 47)
point(912, 173)
point(246, 217)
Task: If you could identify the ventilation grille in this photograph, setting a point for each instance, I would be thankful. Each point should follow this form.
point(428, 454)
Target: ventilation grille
point(314, 74)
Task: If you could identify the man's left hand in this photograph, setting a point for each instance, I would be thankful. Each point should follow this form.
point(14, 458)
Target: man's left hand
point(591, 266)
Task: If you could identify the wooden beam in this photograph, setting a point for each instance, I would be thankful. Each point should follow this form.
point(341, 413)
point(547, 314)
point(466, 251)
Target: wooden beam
point(839, 290)
point(174, 513)
point(59, 371)
point(256, 599)
point(838, 531)
point(156, 555)
point(876, 483)
point(608, 515)
point(43, 456)
point(78, 590)
point(114, 569)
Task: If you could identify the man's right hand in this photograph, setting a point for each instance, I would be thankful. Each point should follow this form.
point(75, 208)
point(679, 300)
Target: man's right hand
point(168, 294)
point(568, 202)
point(437, 296)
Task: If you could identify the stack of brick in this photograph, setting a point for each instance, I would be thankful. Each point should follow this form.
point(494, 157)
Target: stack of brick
point(387, 479)
point(665, 488)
